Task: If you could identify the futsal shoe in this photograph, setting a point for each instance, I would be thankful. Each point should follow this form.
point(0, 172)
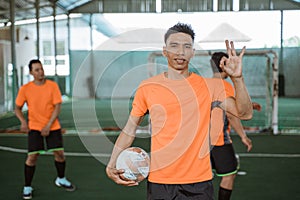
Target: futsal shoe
point(27, 192)
point(63, 182)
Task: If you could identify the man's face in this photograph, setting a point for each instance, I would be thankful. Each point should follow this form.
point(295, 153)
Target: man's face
point(179, 50)
point(37, 72)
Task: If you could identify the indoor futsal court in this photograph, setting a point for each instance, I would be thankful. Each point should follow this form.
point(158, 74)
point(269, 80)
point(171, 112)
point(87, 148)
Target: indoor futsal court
point(99, 51)
point(273, 161)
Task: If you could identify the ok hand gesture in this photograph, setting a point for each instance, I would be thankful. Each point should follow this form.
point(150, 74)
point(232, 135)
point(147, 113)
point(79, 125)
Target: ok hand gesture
point(233, 64)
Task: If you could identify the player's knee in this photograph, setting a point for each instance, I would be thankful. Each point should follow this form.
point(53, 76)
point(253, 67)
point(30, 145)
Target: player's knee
point(31, 159)
point(229, 178)
point(59, 156)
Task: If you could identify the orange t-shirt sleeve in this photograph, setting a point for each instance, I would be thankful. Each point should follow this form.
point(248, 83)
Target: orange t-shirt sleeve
point(56, 94)
point(139, 104)
point(21, 99)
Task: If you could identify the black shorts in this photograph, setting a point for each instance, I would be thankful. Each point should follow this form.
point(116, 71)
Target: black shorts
point(54, 141)
point(200, 191)
point(223, 160)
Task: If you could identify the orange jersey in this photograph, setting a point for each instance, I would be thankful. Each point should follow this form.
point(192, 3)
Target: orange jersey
point(180, 115)
point(41, 100)
point(220, 127)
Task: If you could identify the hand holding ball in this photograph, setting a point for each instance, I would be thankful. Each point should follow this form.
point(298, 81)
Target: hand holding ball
point(135, 162)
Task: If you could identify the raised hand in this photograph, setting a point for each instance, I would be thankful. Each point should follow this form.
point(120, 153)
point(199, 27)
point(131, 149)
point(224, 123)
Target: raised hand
point(233, 64)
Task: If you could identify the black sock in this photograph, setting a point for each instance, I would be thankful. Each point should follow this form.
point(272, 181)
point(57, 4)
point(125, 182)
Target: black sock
point(29, 172)
point(60, 168)
point(224, 194)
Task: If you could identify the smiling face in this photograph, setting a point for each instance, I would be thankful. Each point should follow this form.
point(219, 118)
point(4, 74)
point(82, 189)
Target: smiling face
point(179, 50)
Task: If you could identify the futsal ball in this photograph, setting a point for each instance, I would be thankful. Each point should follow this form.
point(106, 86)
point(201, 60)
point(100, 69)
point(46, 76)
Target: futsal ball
point(135, 162)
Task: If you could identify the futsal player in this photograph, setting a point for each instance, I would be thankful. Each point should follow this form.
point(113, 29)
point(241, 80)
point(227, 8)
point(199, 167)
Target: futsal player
point(223, 157)
point(43, 99)
point(179, 107)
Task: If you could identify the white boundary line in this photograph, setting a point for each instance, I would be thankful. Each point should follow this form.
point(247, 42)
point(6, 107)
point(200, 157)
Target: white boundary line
point(269, 155)
point(15, 150)
point(254, 155)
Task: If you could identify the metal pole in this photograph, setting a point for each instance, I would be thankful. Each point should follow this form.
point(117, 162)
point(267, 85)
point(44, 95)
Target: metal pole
point(13, 52)
point(37, 15)
point(91, 80)
point(70, 60)
point(281, 76)
point(55, 44)
point(275, 96)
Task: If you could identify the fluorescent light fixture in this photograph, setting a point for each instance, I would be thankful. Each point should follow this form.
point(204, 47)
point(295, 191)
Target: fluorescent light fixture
point(26, 21)
point(75, 15)
point(61, 17)
point(46, 19)
point(43, 19)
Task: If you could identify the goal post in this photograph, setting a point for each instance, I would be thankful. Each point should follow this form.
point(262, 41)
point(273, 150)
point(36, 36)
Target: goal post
point(260, 68)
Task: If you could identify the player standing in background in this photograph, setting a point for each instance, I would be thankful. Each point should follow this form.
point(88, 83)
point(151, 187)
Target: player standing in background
point(179, 104)
point(223, 157)
point(43, 99)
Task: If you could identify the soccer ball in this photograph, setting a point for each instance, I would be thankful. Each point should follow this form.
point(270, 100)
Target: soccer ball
point(135, 162)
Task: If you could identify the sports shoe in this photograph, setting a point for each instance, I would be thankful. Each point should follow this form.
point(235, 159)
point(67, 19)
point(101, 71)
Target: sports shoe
point(27, 192)
point(63, 182)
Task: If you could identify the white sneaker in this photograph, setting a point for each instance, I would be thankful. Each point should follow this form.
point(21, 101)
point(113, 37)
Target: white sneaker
point(27, 192)
point(63, 182)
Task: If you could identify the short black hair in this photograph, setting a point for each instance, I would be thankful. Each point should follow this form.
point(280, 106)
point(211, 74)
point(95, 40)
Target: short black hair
point(215, 61)
point(180, 28)
point(33, 62)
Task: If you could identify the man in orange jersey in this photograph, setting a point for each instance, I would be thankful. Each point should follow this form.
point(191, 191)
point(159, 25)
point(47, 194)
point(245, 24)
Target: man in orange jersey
point(223, 157)
point(179, 105)
point(43, 99)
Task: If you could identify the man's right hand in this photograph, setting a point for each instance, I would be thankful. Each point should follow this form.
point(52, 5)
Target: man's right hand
point(24, 127)
point(115, 175)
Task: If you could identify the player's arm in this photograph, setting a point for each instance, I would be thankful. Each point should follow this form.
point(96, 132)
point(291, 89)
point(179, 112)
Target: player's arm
point(238, 127)
point(124, 140)
point(46, 130)
point(241, 105)
point(20, 116)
